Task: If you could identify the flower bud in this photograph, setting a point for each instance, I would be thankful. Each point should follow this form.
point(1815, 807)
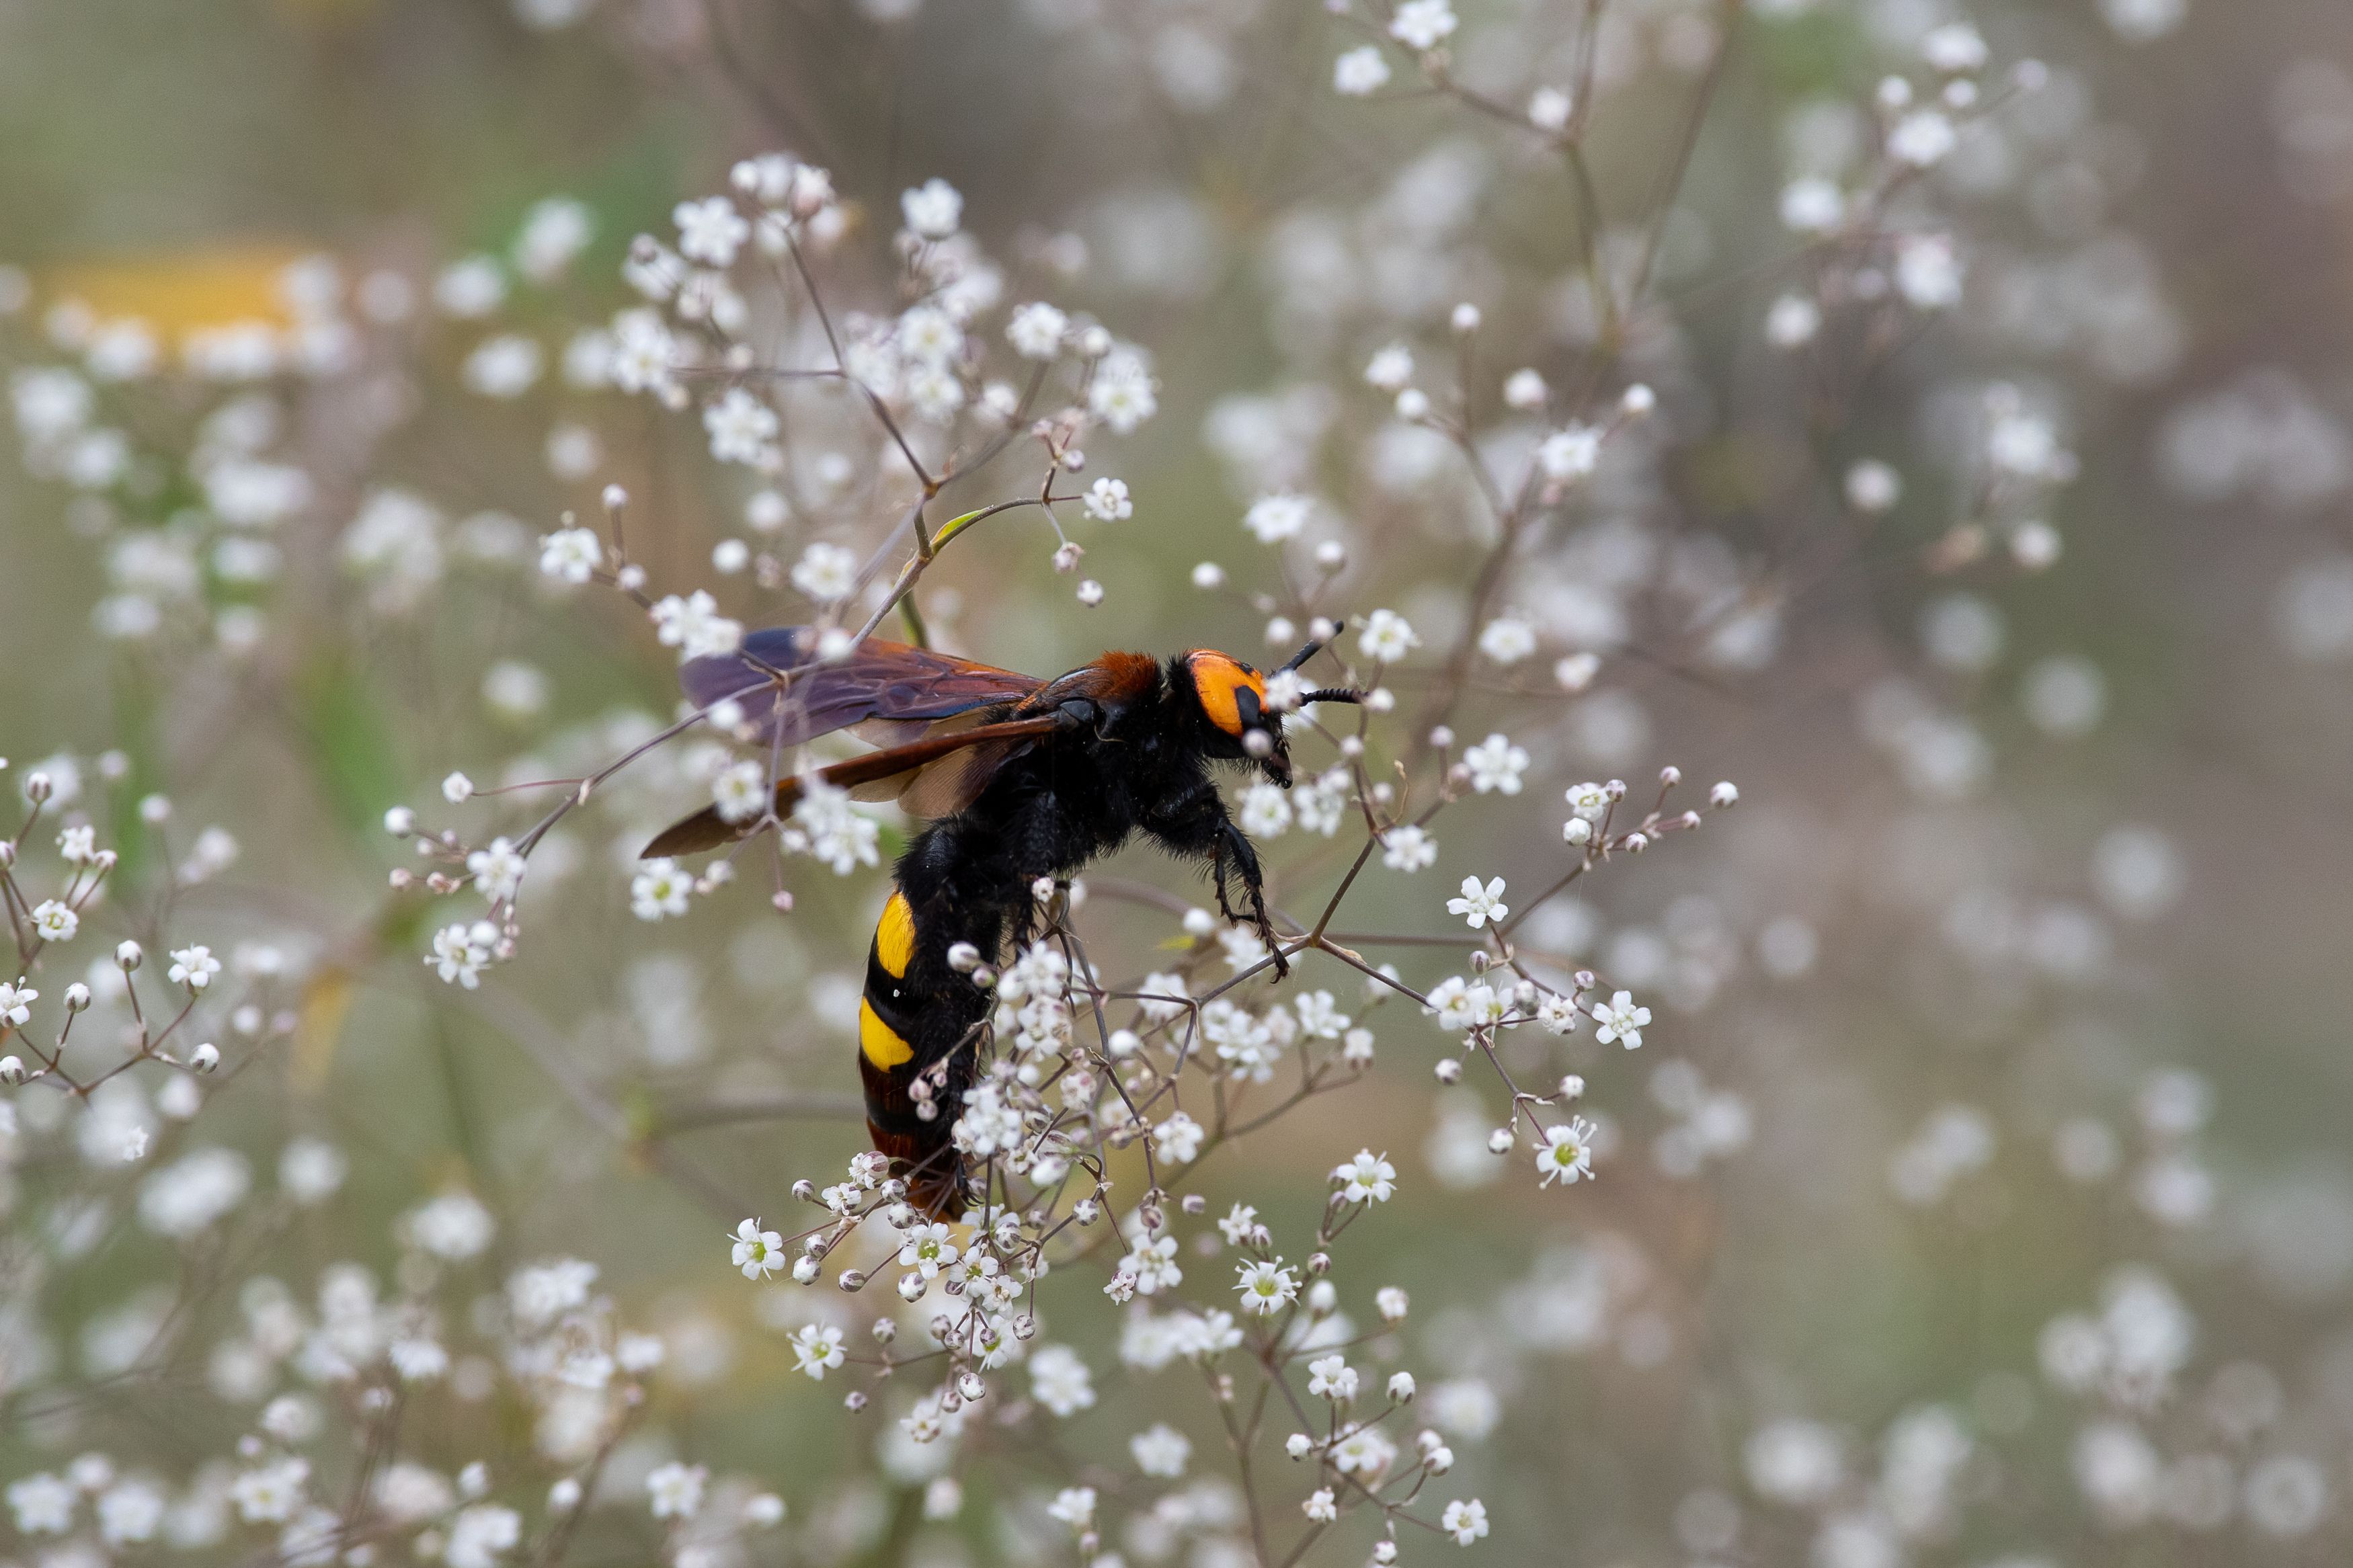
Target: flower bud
point(12, 1070)
point(854, 1401)
point(1401, 1387)
point(911, 1287)
point(205, 1057)
point(853, 1279)
point(400, 822)
point(615, 497)
point(804, 1271)
point(37, 787)
point(1670, 777)
point(77, 997)
point(1297, 1445)
point(1466, 318)
point(128, 955)
point(1499, 1141)
point(1725, 794)
point(1572, 1088)
point(971, 1386)
point(155, 808)
point(1449, 1070)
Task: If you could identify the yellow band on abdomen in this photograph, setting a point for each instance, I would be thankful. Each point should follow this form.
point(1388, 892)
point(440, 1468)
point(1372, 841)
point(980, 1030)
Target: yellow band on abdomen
point(894, 937)
point(879, 1040)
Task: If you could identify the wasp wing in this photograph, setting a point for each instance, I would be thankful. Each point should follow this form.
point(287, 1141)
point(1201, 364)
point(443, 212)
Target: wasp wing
point(706, 829)
point(789, 696)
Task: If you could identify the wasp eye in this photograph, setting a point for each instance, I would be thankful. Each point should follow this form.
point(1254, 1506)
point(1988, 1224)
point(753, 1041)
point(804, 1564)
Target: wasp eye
point(1259, 743)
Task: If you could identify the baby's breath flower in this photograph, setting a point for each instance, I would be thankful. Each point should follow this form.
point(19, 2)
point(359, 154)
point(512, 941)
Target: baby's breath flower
point(1423, 24)
point(1266, 1287)
point(54, 922)
point(1620, 1019)
point(817, 1350)
point(1360, 72)
point(1479, 905)
point(758, 1253)
point(1567, 1153)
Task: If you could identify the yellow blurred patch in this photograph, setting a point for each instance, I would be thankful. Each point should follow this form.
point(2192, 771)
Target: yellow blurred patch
point(178, 293)
point(317, 1027)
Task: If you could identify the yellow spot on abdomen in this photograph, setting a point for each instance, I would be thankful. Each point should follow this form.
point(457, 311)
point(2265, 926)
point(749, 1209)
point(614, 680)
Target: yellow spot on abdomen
point(894, 937)
point(879, 1040)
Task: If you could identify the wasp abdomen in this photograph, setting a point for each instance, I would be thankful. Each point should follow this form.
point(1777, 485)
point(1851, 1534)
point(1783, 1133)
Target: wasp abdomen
point(907, 1043)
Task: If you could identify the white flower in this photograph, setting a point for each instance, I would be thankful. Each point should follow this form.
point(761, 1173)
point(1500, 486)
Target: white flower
point(270, 1494)
point(53, 922)
point(831, 831)
point(13, 1000)
point(1590, 801)
point(1361, 72)
point(675, 1489)
point(1275, 518)
point(1367, 1178)
point(1387, 637)
point(1161, 1450)
point(1074, 1506)
point(1266, 810)
point(1422, 24)
point(44, 1504)
point(1478, 906)
point(1036, 331)
point(827, 574)
point(1922, 139)
point(498, 870)
point(570, 555)
point(659, 887)
point(1620, 1019)
point(1507, 639)
point(1107, 501)
point(710, 231)
point(129, 1511)
point(1059, 1381)
point(1567, 1153)
point(462, 950)
point(77, 846)
point(1319, 1017)
point(742, 427)
point(1812, 205)
point(694, 627)
point(479, 1535)
point(505, 366)
point(1929, 271)
point(1123, 395)
point(1332, 1377)
point(740, 791)
point(1570, 453)
point(1495, 764)
point(1266, 1287)
point(817, 1350)
point(932, 209)
point(927, 1249)
point(1408, 848)
point(1390, 369)
point(758, 1253)
point(1558, 1015)
point(1466, 1521)
point(1792, 321)
point(1178, 1138)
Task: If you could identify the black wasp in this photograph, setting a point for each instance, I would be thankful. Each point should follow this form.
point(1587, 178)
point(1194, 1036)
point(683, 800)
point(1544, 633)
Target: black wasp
point(1021, 778)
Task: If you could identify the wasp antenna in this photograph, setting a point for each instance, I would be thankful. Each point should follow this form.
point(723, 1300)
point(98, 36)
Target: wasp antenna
point(1333, 694)
point(1301, 656)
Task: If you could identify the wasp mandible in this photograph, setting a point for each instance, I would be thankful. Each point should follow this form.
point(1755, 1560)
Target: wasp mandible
point(1020, 778)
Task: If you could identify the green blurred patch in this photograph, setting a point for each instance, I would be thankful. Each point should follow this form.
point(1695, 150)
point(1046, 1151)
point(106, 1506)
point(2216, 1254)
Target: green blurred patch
point(350, 740)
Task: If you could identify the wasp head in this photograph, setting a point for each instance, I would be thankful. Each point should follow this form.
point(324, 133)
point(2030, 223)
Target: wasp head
point(1230, 697)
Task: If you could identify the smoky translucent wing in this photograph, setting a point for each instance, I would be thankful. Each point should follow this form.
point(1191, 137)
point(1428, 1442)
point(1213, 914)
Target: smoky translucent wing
point(789, 697)
point(706, 829)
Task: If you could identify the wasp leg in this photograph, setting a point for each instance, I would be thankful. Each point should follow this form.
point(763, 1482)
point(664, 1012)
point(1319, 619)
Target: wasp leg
point(1197, 826)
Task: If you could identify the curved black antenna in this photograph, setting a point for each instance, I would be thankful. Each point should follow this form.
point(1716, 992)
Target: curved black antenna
point(1331, 694)
point(1302, 656)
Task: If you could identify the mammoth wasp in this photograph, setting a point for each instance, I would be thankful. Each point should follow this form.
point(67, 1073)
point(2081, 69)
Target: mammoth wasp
point(1021, 779)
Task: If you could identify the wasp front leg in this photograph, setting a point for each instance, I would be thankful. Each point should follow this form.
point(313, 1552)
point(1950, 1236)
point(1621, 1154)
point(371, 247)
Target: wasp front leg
point(1199, 825)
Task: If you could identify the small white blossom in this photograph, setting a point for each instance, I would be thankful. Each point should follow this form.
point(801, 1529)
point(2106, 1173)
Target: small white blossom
point(1266, 1287)
point(1620, 1019)
point(758, 1253)
point(1367, 1178)
point(1036, 331)
point(1107, 501)
point(53, 922)
point(1480, 906)
point(1567, 1153)
point(1161, 1450)
point(1466, 1521)
point(675, 1489)
point(1570, 453)
point(827, 574)
point(694, 627)
point(1275, 518)
point(661, 888)
point(1495, 765)
point(1423, 24)
point(1360, 72)
point(817, 1350)
point(1387, 637)
point(932, 209)
point(1178, 1138)
point(710, 231)
point(570, 555)
point(1507, 639)
point(498, 870)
